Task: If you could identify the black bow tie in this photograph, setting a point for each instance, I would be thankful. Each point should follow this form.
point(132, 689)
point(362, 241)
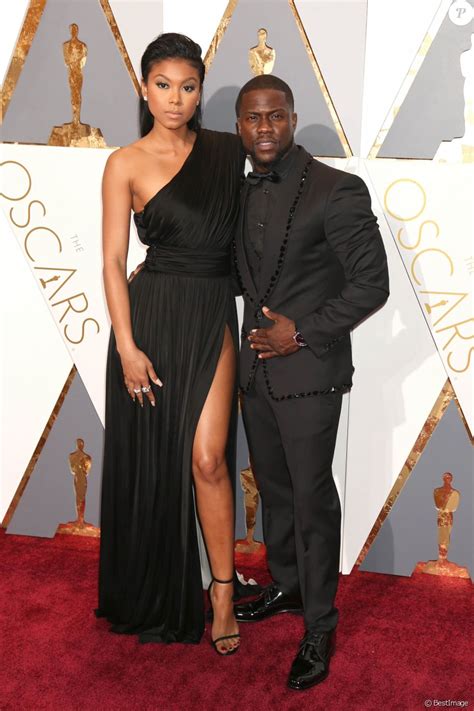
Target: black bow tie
point(254, 178)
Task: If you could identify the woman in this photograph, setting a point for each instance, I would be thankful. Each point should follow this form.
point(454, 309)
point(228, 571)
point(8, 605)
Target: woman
point(171, 362)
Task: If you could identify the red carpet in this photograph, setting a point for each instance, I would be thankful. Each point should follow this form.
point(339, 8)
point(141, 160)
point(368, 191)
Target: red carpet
point(400, 641)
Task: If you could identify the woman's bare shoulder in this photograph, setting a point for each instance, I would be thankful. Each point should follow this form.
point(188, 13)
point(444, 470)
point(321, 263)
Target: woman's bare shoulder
point(125, 157)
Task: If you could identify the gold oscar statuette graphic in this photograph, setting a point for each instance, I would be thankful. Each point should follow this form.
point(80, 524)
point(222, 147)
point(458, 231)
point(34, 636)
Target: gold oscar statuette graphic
point(80, 464)
point(446, 501)
point(262, 57)
point(251, 497)
point(76, 133)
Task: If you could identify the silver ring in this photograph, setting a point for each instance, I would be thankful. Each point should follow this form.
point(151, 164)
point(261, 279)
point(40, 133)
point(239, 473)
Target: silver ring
point(146, 389)
point(137, 390)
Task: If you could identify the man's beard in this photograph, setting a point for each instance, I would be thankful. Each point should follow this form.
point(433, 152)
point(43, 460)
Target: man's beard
point(270, 165)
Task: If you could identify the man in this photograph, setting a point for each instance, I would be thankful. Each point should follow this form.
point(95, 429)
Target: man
point(310, 264)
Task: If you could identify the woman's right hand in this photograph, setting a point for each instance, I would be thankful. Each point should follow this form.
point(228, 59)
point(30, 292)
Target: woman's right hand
point(137, 373)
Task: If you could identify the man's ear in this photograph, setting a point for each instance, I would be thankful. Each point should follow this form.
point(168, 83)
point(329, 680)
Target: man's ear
point(237, 127)
point(294, 120)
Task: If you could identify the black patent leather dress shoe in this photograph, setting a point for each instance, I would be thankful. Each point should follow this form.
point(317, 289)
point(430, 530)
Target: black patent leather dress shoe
point(272, 601)
point(311, 664)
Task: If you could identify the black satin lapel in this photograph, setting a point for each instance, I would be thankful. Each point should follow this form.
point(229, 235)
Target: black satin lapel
point(242, 263)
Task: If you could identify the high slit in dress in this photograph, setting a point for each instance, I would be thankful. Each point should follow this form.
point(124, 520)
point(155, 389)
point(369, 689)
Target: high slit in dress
point(181, 301)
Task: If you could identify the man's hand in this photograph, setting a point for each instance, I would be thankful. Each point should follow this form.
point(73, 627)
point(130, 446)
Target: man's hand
point(276, 340)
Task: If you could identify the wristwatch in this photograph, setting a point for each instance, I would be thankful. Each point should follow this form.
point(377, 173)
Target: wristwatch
point(299, 340)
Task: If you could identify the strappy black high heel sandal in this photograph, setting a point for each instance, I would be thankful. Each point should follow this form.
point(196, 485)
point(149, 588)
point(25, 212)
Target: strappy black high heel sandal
point(215, 642)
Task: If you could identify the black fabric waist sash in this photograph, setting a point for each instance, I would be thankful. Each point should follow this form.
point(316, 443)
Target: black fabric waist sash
point(187, 262)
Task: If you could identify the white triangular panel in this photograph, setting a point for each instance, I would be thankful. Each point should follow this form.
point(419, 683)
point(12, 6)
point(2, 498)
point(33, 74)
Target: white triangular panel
point(432, 234)
point(139, 22)
point(34, 365)
point(395, 31)
point(194, 19)
point(398, 377)
point(62, 245)
point(10, 27)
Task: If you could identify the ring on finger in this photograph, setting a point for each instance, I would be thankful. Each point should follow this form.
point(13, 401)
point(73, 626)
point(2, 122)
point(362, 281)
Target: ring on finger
point(137, 390)
point(146, 389)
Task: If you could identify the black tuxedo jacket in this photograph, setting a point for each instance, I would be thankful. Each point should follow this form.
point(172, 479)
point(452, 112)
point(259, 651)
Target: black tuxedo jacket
point(324, 266)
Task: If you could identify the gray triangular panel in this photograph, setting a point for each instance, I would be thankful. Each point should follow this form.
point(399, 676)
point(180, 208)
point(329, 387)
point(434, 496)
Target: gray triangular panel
point(230, 70)
point(41, 98)
point(49, 497)
point(409, 534)
point(337, 33)
point(433, 110)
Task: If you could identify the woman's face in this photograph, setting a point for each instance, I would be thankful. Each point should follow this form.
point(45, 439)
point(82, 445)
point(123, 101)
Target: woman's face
point(172, 90)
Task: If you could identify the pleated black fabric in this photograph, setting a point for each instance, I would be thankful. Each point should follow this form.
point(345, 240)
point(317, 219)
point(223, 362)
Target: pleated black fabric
point(150, 577)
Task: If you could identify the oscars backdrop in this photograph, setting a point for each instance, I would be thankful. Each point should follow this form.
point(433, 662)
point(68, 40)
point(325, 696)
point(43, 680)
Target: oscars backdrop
point(384, 89)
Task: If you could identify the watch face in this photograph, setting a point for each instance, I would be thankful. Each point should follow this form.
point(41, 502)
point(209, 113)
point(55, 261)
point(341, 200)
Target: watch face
point(299, 340)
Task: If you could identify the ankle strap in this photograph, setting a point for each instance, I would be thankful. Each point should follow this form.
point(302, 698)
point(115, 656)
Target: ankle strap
point(222, 582)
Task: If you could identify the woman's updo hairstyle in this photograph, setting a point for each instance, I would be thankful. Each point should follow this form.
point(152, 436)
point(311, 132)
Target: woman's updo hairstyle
point(170, 45)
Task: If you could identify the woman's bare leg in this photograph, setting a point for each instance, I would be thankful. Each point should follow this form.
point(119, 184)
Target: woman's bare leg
point(214, 493)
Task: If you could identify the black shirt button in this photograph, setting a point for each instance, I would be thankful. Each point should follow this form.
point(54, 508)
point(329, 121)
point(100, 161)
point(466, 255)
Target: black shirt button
point(266, 191)
point(259, 314)
point(260, 224)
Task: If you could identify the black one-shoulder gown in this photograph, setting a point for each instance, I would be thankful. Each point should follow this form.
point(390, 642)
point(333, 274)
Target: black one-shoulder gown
point(150, 577)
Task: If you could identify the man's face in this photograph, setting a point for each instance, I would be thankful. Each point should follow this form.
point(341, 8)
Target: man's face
point(266, 125)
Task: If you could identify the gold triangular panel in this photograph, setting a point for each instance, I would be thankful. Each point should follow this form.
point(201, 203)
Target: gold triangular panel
point(22, 47)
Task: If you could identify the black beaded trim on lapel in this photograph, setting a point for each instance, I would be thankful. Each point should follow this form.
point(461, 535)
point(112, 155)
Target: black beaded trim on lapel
point(276, 274)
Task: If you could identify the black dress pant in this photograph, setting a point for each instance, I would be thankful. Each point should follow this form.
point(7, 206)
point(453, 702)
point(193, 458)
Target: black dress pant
point(291, 446)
